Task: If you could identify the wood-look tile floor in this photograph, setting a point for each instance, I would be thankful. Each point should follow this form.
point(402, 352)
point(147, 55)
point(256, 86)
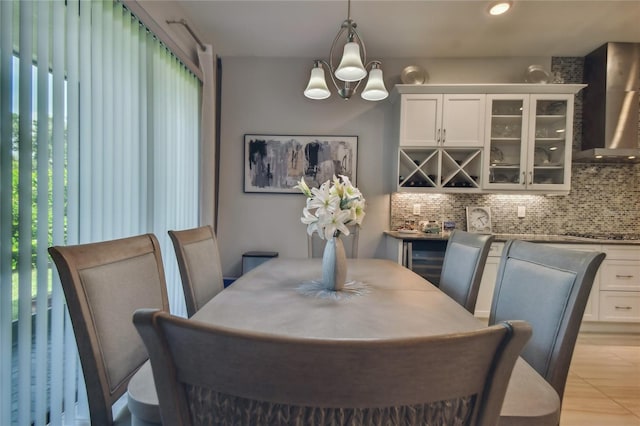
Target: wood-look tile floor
point(603, 387)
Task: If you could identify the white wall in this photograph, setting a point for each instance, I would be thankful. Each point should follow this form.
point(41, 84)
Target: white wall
point(264, 95)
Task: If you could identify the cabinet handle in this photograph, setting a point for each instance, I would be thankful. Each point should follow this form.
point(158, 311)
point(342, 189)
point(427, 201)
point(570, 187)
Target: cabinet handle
point(524, 179)
point(623, 308)
point(624, 276)
point(438, 139)
point(444, 135)
point(530, 178)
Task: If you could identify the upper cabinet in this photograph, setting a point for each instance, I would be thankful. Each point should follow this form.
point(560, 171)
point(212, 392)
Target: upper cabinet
point(528, 142)
point(441, 141)
point(444, 120)
point(484, 138)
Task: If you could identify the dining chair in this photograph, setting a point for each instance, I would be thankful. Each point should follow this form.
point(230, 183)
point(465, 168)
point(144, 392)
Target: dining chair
point(315, 245)
point(199, 263)
point(104, 283)
point(548, 287)
point(463, 265)
point(207, 374)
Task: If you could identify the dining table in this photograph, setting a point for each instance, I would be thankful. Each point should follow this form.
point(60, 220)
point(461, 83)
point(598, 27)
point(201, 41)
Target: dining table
point(388, 301)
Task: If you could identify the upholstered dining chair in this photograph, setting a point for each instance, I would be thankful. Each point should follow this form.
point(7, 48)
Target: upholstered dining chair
point(104, 284)
point(241, 377)
point(548, 287)
point(463, 265)
point(199, 263)
point(315, 245)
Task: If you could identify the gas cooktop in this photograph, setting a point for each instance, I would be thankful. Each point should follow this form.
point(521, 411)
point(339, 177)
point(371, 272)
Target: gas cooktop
point(603, 236)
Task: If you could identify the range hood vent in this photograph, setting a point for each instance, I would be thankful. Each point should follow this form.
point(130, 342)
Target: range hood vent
point(610, 118)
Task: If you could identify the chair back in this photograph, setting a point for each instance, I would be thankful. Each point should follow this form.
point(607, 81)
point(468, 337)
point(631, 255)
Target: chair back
point(315, 244)
point(104, 284)
point(463, 265)
point(199, 263)
point(548, 287)
point(239, 377)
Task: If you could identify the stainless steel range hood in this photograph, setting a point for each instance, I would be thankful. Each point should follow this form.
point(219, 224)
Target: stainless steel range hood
point(611, 104)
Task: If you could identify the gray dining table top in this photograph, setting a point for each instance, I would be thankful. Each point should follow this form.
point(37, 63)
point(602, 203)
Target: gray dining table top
point(394, 303)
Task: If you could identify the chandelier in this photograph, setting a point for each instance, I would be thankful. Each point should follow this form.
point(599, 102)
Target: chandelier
point(351, 70)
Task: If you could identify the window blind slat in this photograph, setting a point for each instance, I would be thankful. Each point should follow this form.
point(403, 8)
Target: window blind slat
point(97, 121)
point(42, 206)
point(117, 105)
point(85, 132)
point(58, 27)
point(25, 166)
point(6, 135)
point(72, 187)
point(108, 124)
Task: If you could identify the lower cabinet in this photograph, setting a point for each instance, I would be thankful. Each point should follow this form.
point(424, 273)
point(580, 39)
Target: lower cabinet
point(614, 297)
point(620, 284)
point(488, 282)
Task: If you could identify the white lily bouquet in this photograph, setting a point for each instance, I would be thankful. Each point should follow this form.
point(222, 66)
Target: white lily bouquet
point(332, 207)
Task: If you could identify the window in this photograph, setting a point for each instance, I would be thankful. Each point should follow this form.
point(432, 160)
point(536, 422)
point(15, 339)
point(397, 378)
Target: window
point(99, 128)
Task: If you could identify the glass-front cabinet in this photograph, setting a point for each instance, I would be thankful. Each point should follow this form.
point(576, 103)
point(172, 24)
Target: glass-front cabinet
point(475, 138)
point(528, 142)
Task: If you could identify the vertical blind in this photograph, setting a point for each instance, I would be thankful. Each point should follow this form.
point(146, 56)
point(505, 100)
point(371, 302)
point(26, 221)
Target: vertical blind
point(99, 128)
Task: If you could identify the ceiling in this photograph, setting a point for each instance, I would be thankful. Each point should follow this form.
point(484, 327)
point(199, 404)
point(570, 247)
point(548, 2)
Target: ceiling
point(418, 28)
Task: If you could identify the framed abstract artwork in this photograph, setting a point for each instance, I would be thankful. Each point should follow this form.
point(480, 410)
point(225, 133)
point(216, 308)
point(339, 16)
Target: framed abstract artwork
point(275, 163)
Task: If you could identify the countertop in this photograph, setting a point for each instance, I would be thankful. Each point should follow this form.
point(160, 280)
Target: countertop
point(540, 238)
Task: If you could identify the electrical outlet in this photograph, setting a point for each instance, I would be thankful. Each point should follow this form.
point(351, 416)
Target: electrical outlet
point(521, 211)
point(416, 209)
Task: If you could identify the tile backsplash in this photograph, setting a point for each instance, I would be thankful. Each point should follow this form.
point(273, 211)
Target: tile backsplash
point(604, 198)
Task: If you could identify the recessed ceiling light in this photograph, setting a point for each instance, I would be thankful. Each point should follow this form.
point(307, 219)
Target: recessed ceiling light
point(499, 7)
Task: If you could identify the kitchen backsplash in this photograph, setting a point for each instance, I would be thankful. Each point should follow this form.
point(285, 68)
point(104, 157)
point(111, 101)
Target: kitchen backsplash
point(603, 198)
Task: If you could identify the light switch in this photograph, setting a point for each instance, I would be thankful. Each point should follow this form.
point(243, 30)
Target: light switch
point(416, 209)
point(521, 211)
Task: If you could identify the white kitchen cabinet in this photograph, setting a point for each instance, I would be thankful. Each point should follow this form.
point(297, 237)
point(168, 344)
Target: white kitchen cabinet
point(451, 135)
point(441, 140)
point(488, 282)
point(528, 142)
point(451, 169)
point(442, 120)
point(620, 284)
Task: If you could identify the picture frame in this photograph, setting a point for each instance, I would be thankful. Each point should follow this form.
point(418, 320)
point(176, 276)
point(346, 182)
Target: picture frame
point(275, 163)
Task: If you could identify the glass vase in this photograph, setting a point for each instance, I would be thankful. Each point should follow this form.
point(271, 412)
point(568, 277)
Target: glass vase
point(334, 265)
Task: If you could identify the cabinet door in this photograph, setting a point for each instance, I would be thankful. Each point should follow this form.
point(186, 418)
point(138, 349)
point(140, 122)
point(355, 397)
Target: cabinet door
point(550, 137)
point(488, 281)
point(463, 120)
point(506, 141)
point(420, 120)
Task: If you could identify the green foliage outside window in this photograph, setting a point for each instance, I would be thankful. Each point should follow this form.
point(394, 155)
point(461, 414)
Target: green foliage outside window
point(15, 200)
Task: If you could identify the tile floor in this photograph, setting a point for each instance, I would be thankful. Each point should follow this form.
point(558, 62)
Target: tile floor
point(603, 387)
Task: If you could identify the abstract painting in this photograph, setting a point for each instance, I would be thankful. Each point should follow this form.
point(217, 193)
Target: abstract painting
point(276, 163)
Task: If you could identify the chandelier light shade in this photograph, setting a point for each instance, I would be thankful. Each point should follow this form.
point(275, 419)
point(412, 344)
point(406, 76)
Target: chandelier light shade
point(375, 90)
point(351, 67)
point(317, 87)
point(350, 72)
